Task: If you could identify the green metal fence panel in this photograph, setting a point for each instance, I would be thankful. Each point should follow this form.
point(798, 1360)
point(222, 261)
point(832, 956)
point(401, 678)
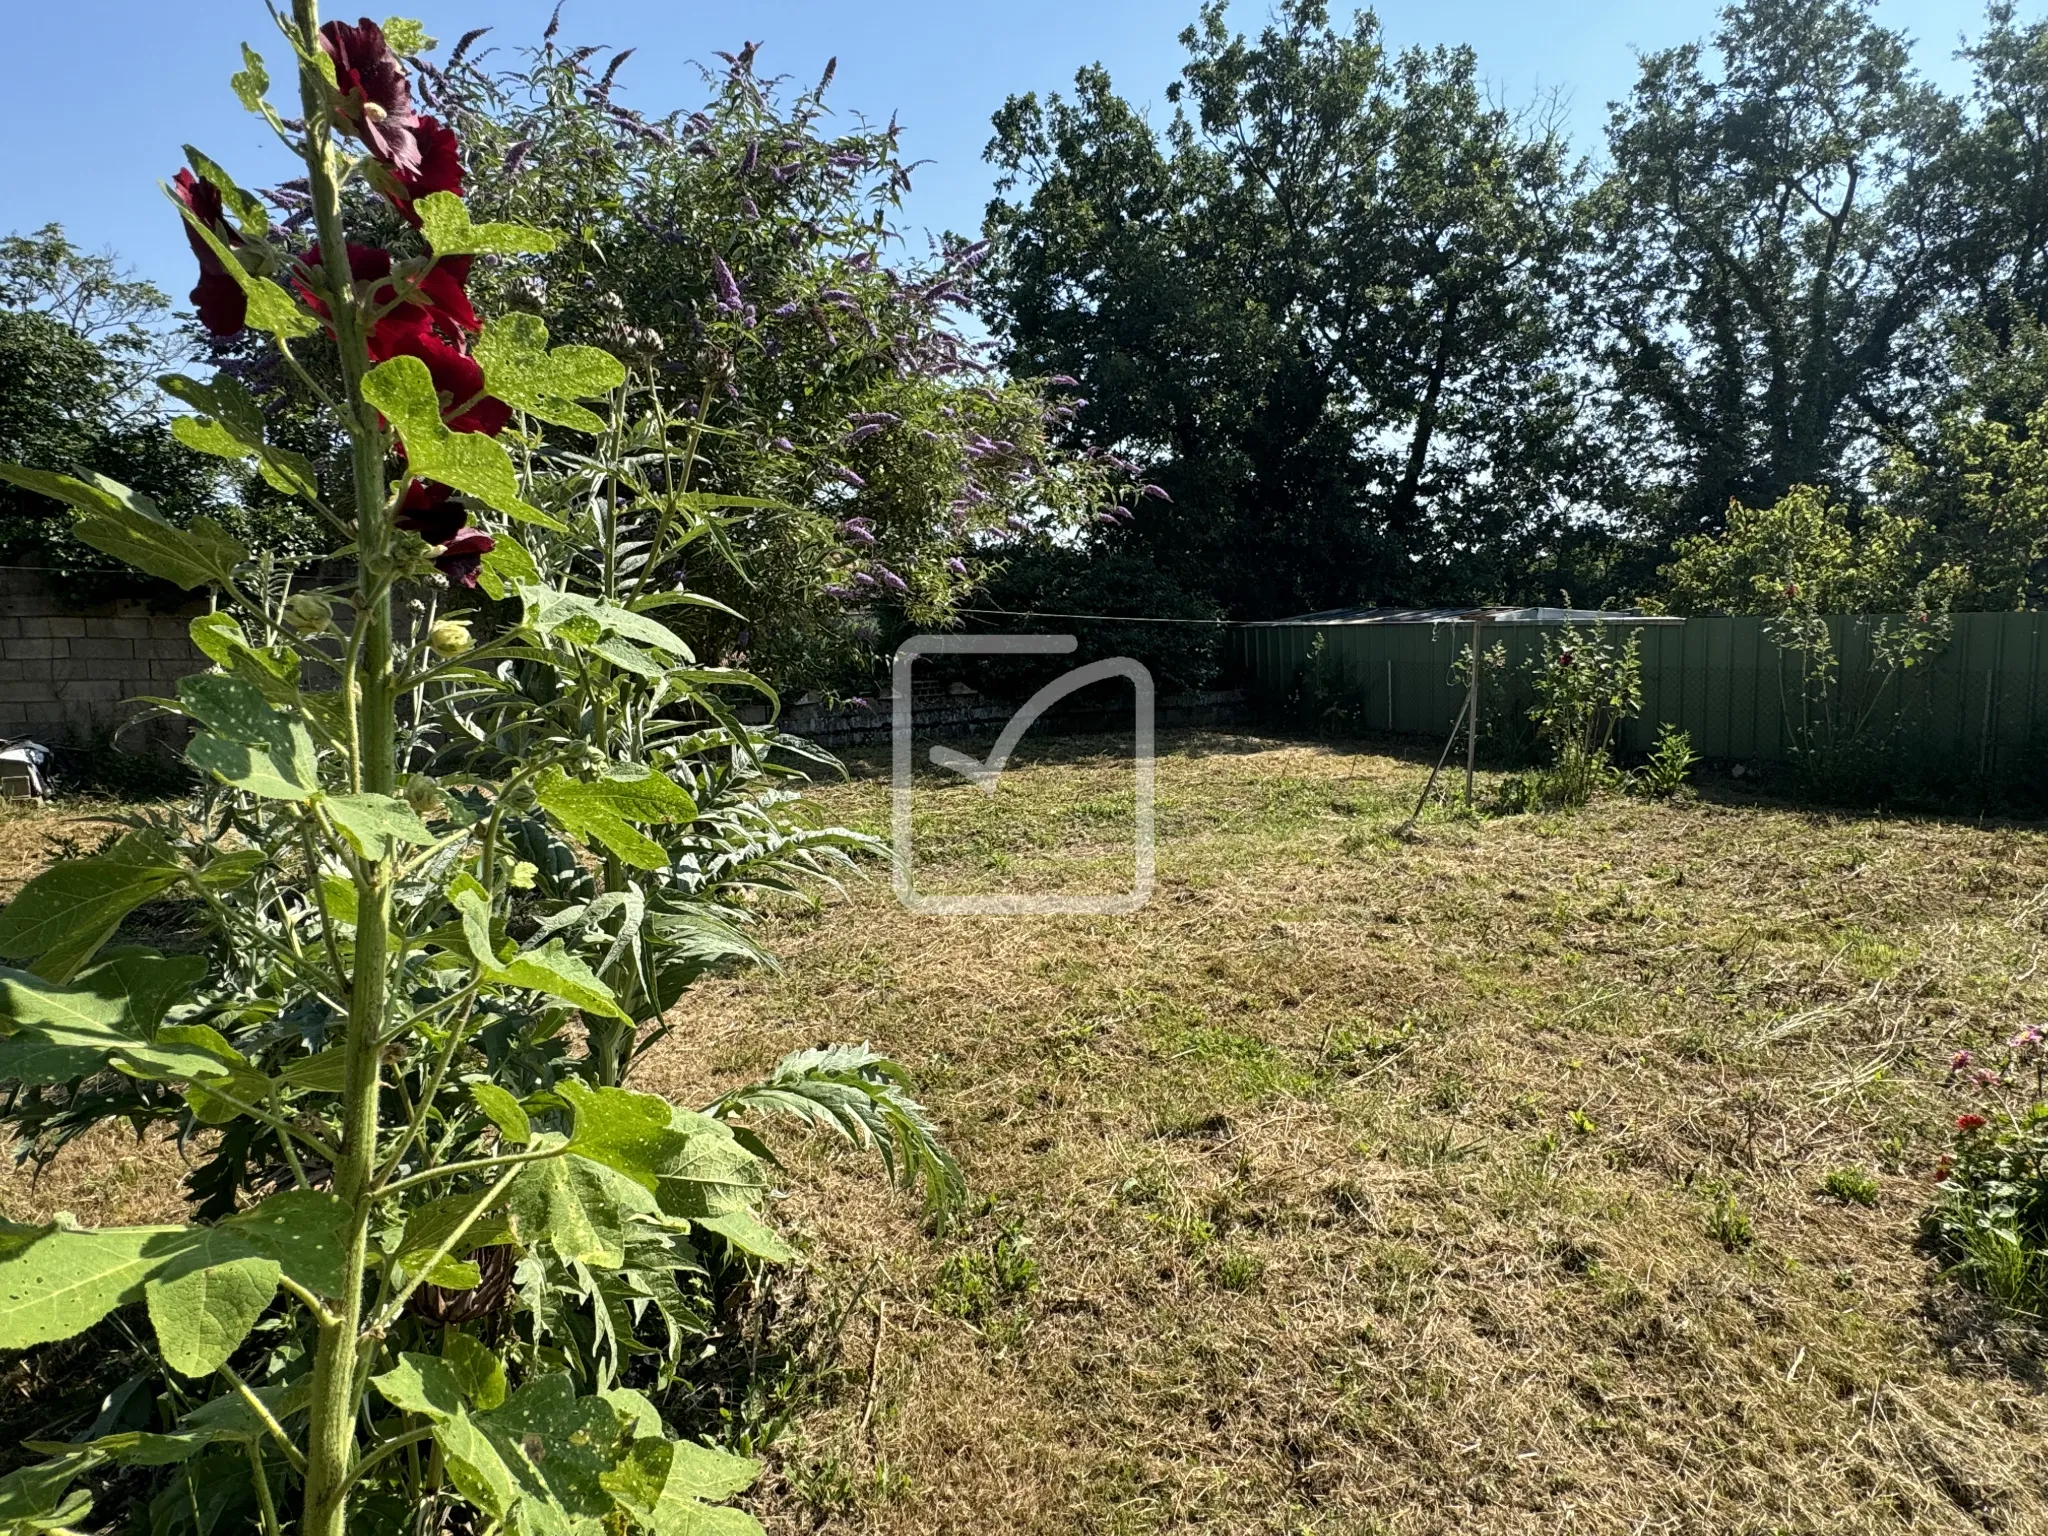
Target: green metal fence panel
point(1977, 704)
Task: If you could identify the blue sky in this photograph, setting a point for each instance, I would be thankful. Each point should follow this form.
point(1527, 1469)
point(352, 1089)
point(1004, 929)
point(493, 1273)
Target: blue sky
point(103, 92)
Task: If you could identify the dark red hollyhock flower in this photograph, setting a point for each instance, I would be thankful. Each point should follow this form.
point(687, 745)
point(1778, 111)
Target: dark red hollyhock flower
point(446, 306)
point(458, 380)
point(440, 167)
point(223, 307)
point(462, 556)
point(1971, 1122)
point(430, 511)
point(376, 100)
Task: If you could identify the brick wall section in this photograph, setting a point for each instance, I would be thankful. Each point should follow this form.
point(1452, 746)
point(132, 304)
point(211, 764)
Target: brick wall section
point(68, 668)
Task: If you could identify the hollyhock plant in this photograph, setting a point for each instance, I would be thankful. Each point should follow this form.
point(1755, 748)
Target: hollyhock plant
point(451, 866)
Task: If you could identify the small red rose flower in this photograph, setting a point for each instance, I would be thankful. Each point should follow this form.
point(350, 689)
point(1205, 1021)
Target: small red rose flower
point(223, 307)
point(376, 104)
point(1971, 1122)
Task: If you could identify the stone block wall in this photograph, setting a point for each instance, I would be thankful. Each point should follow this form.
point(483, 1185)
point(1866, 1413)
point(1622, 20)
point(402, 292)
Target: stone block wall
point(69, 668)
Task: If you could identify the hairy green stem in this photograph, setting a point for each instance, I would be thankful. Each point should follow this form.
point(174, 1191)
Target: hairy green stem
point(331, 1437)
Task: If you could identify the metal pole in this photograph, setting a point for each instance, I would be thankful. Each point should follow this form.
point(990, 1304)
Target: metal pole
point(1472, 716)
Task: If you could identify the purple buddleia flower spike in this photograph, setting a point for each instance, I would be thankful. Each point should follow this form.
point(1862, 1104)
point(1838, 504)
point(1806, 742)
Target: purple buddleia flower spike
point(956, 565)
point(891, 580)
point(730, 299)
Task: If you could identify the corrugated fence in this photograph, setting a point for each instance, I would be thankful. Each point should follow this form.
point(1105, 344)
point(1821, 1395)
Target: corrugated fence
point(1979, 704)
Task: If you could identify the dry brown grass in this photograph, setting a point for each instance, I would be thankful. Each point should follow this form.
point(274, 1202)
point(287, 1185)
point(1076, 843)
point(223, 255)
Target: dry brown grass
point(1372, 1183)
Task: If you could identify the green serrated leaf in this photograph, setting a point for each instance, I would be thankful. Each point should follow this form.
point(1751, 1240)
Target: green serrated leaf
point(605, 809)
point(552, 970)
point(503, 1111)
point(430, 1225)
point(205, 1299)
point(248, 743)
point(628, 1132)
point(663, 1485)
point(714, 1175)
point(520, 370)
point(422, 1384)
point(579, 1439)
point(471, 462)
point(127, 525)
point(251, 220)
point(405, 36)
point(61, 918)
point(251, 83)
point(479, 1372)
point(378, 825)
point(506, 566)
point(56, 1282)
point(231, 427)
point(476, 1466)
point(578, 1208)
point(444, 221)
point(749, 1234)
point(305, 1231)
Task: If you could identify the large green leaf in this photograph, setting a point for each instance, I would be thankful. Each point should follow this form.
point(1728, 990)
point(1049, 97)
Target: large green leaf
point(605, 809)
point(305, 1231)
point(39, 1498)
point(748, 1233)
point(577, 1207)
point(713, 1174)
point(552, 970)
point(52, 1033)
point(204, 1299)
point(378, 825)
point(578, 1439)
point(663, 1486)
point(422, 1384)
point(62, 917)
point(430, 1225)
point(58, 1281)
point(628, 1132)
point(503, 1111)
point(520, 370)
point(248, 742)
point(444, 220)
point(479, 1372)
point(476, 1466)
point(474, 464)
point(584, 620)
point(231, 426)
point(127, 525)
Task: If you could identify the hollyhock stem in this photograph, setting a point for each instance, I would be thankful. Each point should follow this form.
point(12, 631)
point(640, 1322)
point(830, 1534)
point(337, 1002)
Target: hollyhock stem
point(337, 1367)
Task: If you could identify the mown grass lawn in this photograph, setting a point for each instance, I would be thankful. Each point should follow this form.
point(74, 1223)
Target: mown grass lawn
point(1536, 1174)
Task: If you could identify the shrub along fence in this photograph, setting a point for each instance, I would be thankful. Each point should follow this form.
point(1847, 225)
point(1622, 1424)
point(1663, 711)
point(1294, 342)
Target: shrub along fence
point(1975, 706)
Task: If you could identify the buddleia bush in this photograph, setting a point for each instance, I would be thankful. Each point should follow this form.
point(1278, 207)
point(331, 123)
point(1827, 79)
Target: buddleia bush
point(472, 820)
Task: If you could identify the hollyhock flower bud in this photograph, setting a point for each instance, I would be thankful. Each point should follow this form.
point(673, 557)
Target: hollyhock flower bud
point(308, 613)
point(449, 637)
point(421, 793)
